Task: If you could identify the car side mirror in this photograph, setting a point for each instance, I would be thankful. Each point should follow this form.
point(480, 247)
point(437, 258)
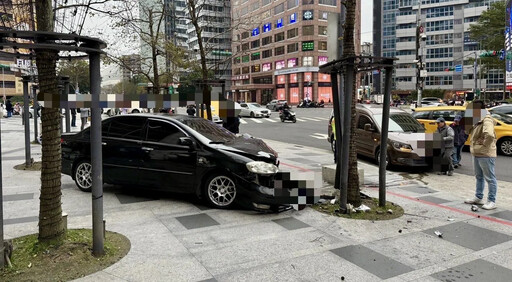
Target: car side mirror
point(368, 127)
point(187, 141)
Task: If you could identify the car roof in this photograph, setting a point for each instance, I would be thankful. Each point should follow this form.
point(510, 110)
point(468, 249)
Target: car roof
point(440, 108)
point(164, 116)
point(377, 109)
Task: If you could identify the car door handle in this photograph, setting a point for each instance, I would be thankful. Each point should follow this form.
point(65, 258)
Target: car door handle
point(103, 143)
point(147, 149)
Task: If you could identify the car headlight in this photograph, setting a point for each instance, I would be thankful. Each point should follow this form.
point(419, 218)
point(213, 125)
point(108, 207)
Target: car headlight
point(402, 146)
point(262, 168)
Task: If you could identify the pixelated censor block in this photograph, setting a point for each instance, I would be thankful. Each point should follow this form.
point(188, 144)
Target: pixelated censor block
point(226, 107)
point(297, 189)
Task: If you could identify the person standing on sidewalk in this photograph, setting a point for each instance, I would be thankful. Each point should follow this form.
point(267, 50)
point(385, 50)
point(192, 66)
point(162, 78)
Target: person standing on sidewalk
point(447, 135)
point(73, 117)
point(483, 149)
point(458, 140)
point(8, 108)
point(84, 116)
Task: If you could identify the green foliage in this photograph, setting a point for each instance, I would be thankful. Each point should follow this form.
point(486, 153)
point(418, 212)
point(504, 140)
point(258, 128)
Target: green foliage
point(489, 31)
point(78, 72)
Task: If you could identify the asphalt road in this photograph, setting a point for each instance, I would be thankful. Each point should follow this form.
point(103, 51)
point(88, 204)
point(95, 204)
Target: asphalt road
point(311, 130)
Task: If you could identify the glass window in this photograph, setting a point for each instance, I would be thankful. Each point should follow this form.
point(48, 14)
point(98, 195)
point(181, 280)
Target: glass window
point(322, 60)
point(245, 59)
point(265, 2)
point(294, 47)
point(322, 45)
point(308, 45)
point(280, 65)
point(400, 123)
point(363, 120)
point(255, 56)
point(308, 30)
point(292, 4)
point(279, 51)
point(255, 68)
point(307, 61)
point(255, 44)
point(421, 115)
point(293, 62)
point(308, 2)
point(279, 9)
point(322, 30)
point(127, 127)
point(447, 115)
point(266, 66)
point(327, 2)
point(294, 32)
point(279, 37)
point(163, 132)
point(267, 53)
point(266, 40)
point(323, 15)
point(245, 70)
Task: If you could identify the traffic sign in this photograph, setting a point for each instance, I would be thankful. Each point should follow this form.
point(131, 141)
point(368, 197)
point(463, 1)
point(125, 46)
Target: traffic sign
point(458, 68)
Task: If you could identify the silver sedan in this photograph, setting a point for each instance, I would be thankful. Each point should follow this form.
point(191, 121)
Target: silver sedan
point(254, 110)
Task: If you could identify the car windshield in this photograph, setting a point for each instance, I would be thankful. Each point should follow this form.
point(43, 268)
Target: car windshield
point(254, 105)
point(400, 123)
point(502, 117)
point(210, 130)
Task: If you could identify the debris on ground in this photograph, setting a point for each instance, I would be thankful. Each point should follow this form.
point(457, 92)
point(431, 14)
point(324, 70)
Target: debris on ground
point(409, 221)
point(438, 233)
point(474, 208)
point(451, 219)
point(362, 208)
point(390, 211)
point(333, 201)
point(379, 212)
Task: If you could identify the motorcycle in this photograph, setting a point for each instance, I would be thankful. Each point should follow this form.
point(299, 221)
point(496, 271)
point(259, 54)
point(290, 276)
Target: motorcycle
point(287, 116)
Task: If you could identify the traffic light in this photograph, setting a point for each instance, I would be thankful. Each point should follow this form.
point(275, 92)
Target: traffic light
point(488, 54)
point(449, 69)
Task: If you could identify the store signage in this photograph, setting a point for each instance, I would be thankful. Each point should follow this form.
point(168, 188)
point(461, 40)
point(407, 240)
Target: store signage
point(322, 60)
point(240, 77)
point(267, 27)
point(296, 70)
point(308, 15)
point(308, 46)
point(293, 18)
point(279, 23)
point(256, 31)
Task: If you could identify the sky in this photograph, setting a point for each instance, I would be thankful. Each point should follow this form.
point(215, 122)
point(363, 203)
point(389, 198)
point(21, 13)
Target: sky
point(366, 20)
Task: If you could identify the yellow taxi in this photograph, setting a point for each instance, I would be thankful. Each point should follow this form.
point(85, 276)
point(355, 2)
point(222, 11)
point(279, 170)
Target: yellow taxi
point(428, 116)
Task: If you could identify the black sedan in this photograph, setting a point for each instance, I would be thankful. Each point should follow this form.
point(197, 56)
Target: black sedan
point(178, 154)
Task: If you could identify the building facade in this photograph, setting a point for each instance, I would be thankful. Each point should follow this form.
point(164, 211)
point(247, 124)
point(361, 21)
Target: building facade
point(278, 47)
point(446, 25)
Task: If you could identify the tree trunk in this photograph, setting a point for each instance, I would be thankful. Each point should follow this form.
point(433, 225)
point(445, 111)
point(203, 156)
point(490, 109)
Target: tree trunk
point(353, 195)
point(207, 93)
point(50, 208)
point(154, 54)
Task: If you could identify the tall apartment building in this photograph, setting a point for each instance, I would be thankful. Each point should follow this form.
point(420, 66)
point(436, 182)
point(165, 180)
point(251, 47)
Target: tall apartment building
point(278, 47)
point(446, 24)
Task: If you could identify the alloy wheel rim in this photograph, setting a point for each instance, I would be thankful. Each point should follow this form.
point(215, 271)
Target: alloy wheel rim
point(222, 191)
point(506, 147)
point(83, 175)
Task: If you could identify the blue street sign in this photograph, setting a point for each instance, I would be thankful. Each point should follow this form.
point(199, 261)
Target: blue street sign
point(458, 68)
point(256, 31)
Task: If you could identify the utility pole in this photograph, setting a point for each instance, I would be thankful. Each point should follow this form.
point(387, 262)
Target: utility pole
point(475, 66)
point(419, 60)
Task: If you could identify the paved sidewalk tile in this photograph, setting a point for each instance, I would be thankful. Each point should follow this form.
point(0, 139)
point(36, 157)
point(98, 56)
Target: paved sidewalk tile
point(290, 223)
point(371, 261)
point(21, 220)
point(434, 200)
point(470, 236)
point(18, 197)
point(477, 270)
point(418, 189)
point(197, 221)
point(129, 199)
point(503, 215)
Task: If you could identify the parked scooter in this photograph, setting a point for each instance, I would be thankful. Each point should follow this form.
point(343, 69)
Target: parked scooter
point(288, 115)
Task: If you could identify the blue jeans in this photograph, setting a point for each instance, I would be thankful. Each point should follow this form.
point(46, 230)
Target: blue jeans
point(484, 170)
point(9, 113)
point(456, 157)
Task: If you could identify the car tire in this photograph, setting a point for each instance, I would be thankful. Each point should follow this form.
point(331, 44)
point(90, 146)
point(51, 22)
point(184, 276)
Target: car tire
point(333, 144)
point(294, 120)
point(252, 114)
point(30, 115)
point(505, 146)
point(377, 159)
point(220, 191)
point(83, 175)
point(282, 119)
point(135, 111)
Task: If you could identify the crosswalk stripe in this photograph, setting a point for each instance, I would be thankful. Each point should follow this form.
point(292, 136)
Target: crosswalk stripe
point(269, 119)
point(243, 121)
point(256, 121)
point(299, 119)
point(318, 137)
point(308, 118)
point(322, 118)
point(322, 135)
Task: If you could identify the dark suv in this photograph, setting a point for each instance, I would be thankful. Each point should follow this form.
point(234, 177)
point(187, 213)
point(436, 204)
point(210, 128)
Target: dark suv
point(404, 134)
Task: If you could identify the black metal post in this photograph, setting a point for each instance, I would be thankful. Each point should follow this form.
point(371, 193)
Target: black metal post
point(36, 111)
point(384, 137)
point(347, 112)
point(2, 248)
point(66, 92)
point(61, 90)
point(96, 156)
point(26, 120)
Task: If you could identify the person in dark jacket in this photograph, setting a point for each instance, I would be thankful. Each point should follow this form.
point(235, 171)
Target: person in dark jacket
point(447, 135)
point(191, 111)
point(232, 124)
point(73, 117)
point(459, 139)
point(8, 108)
